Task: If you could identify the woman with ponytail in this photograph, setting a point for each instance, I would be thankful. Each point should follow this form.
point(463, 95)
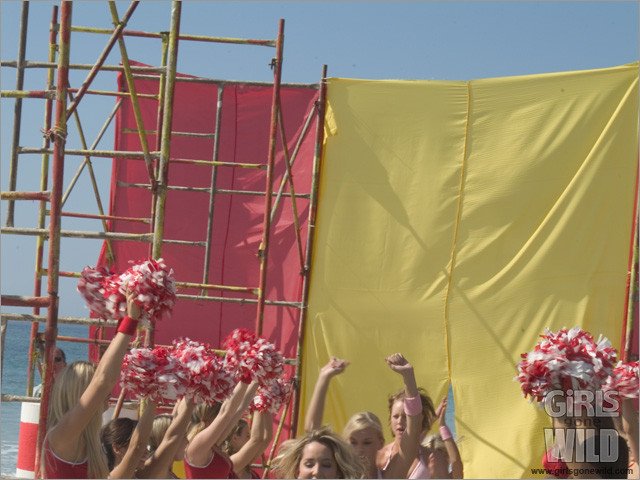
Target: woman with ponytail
point(245, 443)
point(167, 441)
point(204, 457)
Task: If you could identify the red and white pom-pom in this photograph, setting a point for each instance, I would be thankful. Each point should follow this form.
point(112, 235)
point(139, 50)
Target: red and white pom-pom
point(91, 287)
point(172, 377)
point(563, 360)
point(272, 396)
point(153, 283)
point(115, 298)
point(137, 372)
point(265, 361)
point(251, 357)
point(624, 380)
point(209, 381)
point(190, 353)
point(215, 382)
point(238, 343)
point(240, 340)
point(153, 373)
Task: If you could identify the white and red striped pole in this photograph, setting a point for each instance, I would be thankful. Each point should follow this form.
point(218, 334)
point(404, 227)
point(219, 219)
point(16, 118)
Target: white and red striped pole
point(27, 442)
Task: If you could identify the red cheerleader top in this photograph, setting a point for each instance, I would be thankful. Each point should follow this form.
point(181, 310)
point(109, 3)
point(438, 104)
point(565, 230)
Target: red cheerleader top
point(219, 466)
point(55, 467)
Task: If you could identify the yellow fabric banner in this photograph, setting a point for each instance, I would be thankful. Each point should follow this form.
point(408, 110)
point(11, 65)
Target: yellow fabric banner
point(543, 241)
point(389, 196)
point(456, 221)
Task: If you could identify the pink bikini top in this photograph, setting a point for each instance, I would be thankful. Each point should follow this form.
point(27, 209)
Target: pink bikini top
point(420, 471)
point(422, 468)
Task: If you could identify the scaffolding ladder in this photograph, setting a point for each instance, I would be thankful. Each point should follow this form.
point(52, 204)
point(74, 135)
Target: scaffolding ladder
point(61, 104)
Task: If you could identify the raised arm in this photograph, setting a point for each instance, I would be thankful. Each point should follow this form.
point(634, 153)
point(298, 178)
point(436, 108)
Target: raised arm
point(160, 461)
point(233, 417)
point(313, 419)
point(410, 441)
point(64, 438)
point(261, 435)
point(137, 445)
point(200, 447)
point(452, 449)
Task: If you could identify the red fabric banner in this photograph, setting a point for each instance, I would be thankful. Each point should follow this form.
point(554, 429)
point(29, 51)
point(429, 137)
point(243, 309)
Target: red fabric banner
point(237, 219)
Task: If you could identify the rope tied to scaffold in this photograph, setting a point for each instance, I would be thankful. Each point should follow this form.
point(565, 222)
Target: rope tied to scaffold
point(54, 133)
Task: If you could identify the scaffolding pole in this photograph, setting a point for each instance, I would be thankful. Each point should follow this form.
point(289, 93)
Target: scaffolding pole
point(631, 297)
point(59, 134)
point(17, 112)
point(132, 89)
point(101, 59)
point(289, 177)
point(163, 169)
point(311, 229)
point(214, 176)
point(162, 87)
point(263, 251)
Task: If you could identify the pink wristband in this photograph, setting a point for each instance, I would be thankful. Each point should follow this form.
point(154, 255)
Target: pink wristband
point(445, 433)
point(413, 405)
point(127, 326)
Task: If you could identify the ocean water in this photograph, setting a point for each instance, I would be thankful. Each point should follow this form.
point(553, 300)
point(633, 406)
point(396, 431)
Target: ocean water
point(14, 381)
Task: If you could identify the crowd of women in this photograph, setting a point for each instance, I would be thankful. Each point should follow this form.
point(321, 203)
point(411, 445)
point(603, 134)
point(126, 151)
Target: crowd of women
point(215, 440)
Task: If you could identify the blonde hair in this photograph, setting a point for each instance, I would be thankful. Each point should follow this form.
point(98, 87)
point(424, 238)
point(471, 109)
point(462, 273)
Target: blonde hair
point(360, 421)
point(203, 414)
point(237, 430)
point(287, 462)
point(434, 442)
point(69, 386)
point(428, 412)
point(160, 426)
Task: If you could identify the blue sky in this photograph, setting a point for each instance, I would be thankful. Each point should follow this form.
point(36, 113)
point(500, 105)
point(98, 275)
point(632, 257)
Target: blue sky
point(425, 40)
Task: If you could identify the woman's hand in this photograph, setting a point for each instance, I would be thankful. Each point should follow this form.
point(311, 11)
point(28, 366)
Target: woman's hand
point(441, 411)
point(335, 367)
point(313, 419)
point(399, 364)
point(133, 310)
